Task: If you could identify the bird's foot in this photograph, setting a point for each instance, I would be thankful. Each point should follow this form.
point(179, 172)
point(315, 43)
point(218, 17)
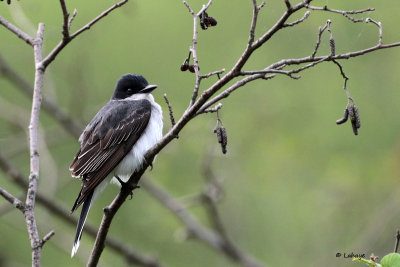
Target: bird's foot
point(123, 184)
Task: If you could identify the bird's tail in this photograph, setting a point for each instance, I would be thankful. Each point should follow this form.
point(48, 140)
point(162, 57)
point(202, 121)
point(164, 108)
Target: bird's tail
point(82, 219)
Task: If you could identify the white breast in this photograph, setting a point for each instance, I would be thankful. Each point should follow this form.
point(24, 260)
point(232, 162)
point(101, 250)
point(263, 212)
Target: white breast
point(151, 135)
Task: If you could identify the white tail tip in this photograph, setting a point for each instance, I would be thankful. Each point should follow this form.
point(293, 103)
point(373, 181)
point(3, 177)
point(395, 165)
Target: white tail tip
point(75, 248)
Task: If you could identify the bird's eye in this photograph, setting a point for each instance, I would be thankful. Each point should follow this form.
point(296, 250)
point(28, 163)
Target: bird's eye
point(129, 90)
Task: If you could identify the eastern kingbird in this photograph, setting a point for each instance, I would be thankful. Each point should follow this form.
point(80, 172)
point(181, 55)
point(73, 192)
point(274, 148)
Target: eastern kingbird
point(114, 143)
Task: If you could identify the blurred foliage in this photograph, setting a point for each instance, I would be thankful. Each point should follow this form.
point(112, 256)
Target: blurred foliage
point(299, 189)
point(390, 260)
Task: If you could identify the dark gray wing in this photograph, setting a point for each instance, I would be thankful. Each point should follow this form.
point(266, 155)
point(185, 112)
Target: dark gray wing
point(106, 141)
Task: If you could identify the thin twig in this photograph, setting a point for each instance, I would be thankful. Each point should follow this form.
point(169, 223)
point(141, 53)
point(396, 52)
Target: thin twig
point(197, 230)
point(47, 237)
point(256, 10)
point(171, 113)
point(193, 49)
point(53, 54)
point(34, 150)
point(320, 32)
point(229, 90)
point(18, 32)
point(71, 19)
point(306, 15)
point(379, 25)
point(288, 5)
point(346, 14)
point(51, 108)
point(66, 23)
point(207, 98)
point(189, 8)
point(12, 199)
point(267, 71)
point(345, 78)
point(208, 75)
point(214, 109)
point(130, 255)
point(396, 244)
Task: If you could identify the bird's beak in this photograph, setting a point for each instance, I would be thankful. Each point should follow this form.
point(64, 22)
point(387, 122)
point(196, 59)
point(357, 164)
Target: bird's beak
point(148, 88)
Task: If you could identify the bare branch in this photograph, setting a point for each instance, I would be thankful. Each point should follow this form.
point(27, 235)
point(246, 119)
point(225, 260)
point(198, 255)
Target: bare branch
point(204, 8)
point(51, 108)
point(306, 15)
point(66, 23)
point(34, 150)
point(47, 237)
point(342, 12)
point(171, 113)
point(396, 245)
point(72, 18)
point(212, 110)
point(18, 32)
point(267, 71)
point(52, 55)
point(129, 254)
point(379, 25)
point(227, 92)
point(320, 32)
point(189, 8)
point(208, 75)
point(256, 10)
point(207, 98)
point(193, 49)
point(99, 17)
point(288, 5)
point(12, 199)
point(197, 230)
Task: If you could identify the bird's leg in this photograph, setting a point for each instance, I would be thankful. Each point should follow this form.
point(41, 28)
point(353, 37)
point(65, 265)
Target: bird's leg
point(124, 184)
point(150, 164)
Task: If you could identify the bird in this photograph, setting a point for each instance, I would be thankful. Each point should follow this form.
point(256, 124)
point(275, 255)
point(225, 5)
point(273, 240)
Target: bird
point(115, 141)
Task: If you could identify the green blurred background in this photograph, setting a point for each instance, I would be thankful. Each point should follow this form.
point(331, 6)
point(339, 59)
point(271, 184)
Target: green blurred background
point(298, 188)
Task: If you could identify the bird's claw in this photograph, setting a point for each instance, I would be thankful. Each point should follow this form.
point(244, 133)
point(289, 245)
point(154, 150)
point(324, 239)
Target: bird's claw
point(120, 181)
point(124, 183)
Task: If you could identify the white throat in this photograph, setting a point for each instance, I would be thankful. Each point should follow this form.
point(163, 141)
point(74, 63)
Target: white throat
point(146, 96)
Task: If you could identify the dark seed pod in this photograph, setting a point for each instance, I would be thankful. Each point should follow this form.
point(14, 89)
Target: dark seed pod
point(345, 117)
point(184, 67)
point(354, 117)
point(354, 126)
point(333, 47)
point(210, 21)
point(217, 130)
point(357, 114)
point(191, 68)
point(350, 109)
point(207, 21)
point(224, 140)
point(221, 137)
point(203, 16)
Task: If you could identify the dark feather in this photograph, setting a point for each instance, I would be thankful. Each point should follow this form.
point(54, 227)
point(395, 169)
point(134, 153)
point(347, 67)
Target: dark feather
point(106, 141)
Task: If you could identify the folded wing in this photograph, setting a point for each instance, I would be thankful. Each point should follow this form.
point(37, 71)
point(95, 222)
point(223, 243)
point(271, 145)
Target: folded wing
point(106, 141)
